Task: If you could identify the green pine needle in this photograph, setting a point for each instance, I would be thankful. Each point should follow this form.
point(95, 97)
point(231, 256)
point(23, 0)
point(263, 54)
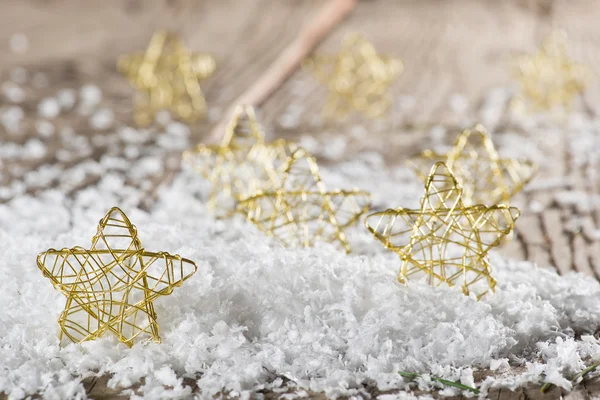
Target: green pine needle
point(587, 371)
point(456, 384)
point(546, 386)
point(575, 380)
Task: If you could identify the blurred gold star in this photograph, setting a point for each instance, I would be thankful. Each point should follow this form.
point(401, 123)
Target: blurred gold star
point(111, 287)
point(301, 212)
point(358, 78)
point(167, 77)
point(485, 177)
point(242, 164)
point(549, 79)
point(444, 240)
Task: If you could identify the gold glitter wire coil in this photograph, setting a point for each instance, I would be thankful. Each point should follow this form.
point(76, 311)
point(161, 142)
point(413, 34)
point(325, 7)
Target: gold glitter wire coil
point(357, 77)
point(301, 211)
point(444, 241)
point(167, 77)
point(241, 165)
point(484, 176)
point(112, 286)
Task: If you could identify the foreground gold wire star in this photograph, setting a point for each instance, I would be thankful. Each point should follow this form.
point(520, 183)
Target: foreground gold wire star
point(484, 176)
point(167, 77)
point(111, 287)
point(301, 211)
point(242, 164)
point(444, 240)
point(357, 78)
point(548, 78)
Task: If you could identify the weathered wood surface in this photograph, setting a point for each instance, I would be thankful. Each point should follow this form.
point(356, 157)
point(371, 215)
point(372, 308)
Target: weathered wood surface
point(450, 47)
point(97, 389)
point(456, 47)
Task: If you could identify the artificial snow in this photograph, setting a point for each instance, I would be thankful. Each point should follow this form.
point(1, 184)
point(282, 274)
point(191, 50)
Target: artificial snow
point(66, 98)
point(49, 108)
point(255, 311)
point(19, 75)
point(34, 148)
point(13, 92)
point(19, 43)
point(45, 129)
point(39, 80)
point(259, 316)
point(90, 96)
point(102, 119)
point(10, 118)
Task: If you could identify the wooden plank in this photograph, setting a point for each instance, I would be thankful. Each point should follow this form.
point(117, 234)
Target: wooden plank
point(593, 252)
point(581, 258)
point(540, 256)
point(431, 77)
point(560, 249)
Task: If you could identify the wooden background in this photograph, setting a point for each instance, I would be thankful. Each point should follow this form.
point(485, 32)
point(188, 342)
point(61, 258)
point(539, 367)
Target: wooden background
point(449, 47)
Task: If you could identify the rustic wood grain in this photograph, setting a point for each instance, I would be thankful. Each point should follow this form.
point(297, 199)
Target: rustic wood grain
point(448, 47)
point(97, 388)
point(467, 47)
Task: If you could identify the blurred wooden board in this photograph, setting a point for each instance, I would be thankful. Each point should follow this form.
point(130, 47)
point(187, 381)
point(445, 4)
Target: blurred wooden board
point(452, 47)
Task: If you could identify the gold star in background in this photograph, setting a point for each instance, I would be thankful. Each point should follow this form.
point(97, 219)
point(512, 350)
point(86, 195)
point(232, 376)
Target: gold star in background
point(111, 287)
point(167, 77)
point(357, 77)
point(444, 240)
point(484, 176)
point(242, 164)
point(301, 212)
point(548, 79)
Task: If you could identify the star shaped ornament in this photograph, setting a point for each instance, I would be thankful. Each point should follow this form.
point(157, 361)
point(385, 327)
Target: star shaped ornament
point(167, 77)
point(444, 242)
point(485, 177)
point(111, 287)
point(301, 211)
point(241, 165)
point(358, 78)
point(549, 79)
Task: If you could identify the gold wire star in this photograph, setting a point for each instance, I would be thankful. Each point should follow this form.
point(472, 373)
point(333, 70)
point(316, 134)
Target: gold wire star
point(301, 211)
point(357, 77)
point(485, 177)
point(444, 240)
point(111, 287)
point(167, 77)
point(548, 78)
point(242, 164)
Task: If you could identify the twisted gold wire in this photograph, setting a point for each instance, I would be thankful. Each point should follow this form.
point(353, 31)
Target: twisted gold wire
point(484, 176)
point(548, 78)
point(241, 165)
point(358, 78)
point(111, 287)
point(444, 241)
point(167, 77)
point(301, 211)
